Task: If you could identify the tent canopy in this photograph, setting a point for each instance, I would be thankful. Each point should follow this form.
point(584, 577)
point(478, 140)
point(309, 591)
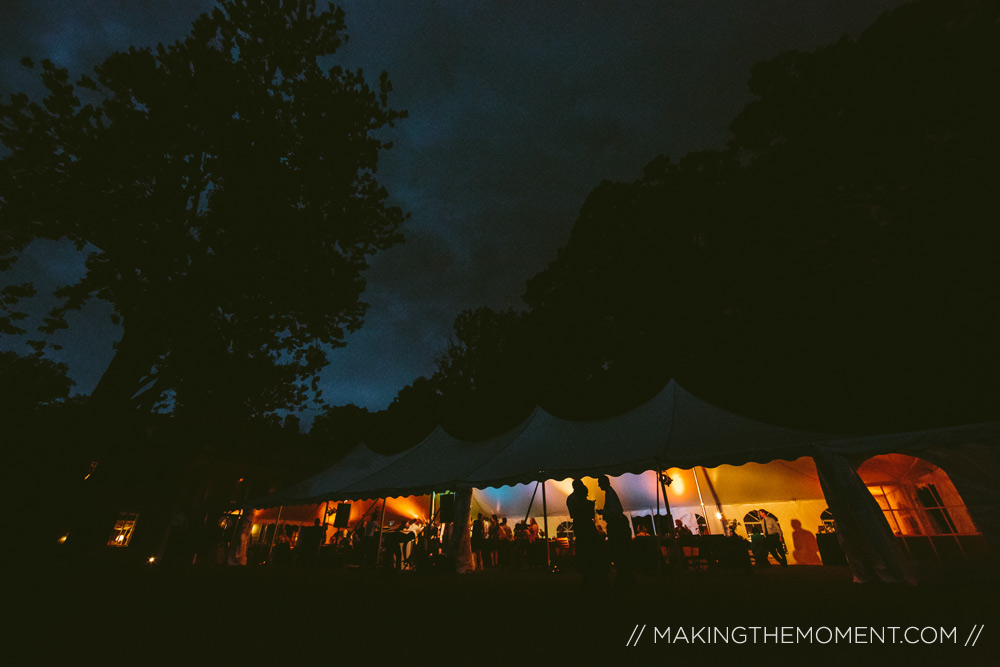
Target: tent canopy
point(673, 429)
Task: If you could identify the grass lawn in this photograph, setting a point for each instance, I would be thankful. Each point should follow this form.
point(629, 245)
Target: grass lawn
point(267, 615)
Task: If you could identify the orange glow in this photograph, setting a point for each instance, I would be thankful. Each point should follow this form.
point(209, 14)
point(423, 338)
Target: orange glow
point(411, 507)
point(62, 540)
point(677, 486)
point(396, 509)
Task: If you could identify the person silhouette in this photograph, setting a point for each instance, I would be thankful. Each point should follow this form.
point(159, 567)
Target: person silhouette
point(619, 535)
point(477, 542)
point(588, 547)
point(773, 537)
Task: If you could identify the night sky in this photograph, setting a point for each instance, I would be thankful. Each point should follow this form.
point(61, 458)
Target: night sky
point(516, 111)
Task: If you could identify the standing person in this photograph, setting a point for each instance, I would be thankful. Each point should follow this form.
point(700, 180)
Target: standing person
point(370, 545)
point(520, 551)
point(493, 541)
point(506, 544)
point(307, 546)
point(413, 540)
point(774, 538)
point(531, 553)
point(477, 542)
point(588, 547)
point(619, 535)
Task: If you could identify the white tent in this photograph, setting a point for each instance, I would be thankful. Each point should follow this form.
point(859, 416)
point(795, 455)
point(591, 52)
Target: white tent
point(674, 429)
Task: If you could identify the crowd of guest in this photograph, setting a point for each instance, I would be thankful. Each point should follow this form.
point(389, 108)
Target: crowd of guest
point(409, 544)
point(495, 544)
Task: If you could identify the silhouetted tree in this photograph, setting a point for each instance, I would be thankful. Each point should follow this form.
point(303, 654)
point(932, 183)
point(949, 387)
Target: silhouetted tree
point(639, 284)
point(224, 189)
point(27, 382)
point(486, 376)
point(411, 417)
point(338, 430)
point(833, 266)
point(870, 163)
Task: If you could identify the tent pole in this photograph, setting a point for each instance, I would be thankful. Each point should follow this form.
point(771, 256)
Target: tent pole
point(430, 517)
point(322, 535)
point(657, 483)
point(666, 505)
point(704, 512)
point(274, 534)
point(718, 504)
point(545, 524)
point(381, 526)
point(659, 541)
point(530, 503)
point(675, 548)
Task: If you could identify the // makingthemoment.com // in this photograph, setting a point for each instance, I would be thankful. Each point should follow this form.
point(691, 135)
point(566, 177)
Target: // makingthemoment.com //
point(803, 635)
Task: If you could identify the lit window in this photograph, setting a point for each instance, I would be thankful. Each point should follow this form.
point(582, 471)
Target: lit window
point(122, 532)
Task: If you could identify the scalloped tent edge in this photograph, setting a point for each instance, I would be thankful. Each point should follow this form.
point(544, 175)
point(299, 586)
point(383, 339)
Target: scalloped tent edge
point(672, 429)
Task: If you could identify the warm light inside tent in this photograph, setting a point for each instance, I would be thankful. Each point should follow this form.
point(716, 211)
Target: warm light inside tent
point(677, 486)
point(409, 507)
point(564, 486)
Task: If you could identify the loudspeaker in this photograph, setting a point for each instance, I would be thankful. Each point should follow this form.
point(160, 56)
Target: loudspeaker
point(447, 507)
point(343, 515)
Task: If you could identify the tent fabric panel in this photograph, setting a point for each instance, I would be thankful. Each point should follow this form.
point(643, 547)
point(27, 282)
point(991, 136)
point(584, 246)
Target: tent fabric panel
point(705, 435)
point(438, 463)
point(553, 448)
point(356, 464)
point(987, 434)
point(872, 552)
point(974, 470)
point(777, 481)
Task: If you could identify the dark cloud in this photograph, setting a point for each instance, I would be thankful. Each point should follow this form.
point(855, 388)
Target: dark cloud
point(517, 110)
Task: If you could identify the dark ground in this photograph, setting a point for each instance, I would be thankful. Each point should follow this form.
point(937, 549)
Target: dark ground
point(223, 616)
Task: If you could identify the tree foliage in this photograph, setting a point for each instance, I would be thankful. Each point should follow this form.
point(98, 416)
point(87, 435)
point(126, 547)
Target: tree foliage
point(833, 267)
point(224, 188)
point(485, 376)
point(27, 382)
